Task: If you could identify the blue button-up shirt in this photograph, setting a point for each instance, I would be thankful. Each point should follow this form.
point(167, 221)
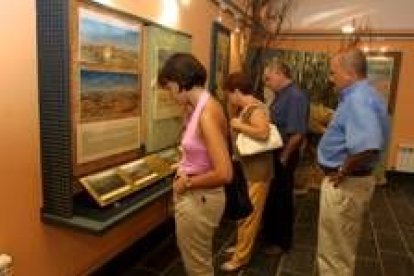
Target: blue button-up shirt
point(360, 123)
point(290, 111)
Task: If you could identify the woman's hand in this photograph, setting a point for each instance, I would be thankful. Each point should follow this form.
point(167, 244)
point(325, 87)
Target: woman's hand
point(236, 123)
point(180, 184)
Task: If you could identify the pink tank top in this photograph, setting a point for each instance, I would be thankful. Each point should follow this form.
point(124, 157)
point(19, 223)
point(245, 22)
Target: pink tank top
point(196, 159)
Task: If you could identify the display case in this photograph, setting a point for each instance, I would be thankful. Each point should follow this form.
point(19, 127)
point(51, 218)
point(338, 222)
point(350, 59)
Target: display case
point(108, 186)
point(99, 124)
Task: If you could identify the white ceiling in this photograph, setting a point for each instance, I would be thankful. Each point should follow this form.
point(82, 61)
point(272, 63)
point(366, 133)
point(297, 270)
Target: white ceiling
point(333, 14)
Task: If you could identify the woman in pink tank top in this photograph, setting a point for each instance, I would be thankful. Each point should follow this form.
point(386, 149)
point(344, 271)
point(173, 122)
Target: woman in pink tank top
point(205, 166)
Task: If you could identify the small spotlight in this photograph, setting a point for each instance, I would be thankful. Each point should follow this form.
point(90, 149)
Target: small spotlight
point(348, 29)
point(383, 49)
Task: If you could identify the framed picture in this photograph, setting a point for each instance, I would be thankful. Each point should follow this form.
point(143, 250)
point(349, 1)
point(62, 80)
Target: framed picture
point(164, 115)
point(138, 173)
point(106, 83)
point(383, 73)
point(106, 187)
point(220, 58)
point(171, 157)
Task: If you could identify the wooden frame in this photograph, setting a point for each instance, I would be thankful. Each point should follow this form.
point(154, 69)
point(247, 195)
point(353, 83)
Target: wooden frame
point(383, 72)
point(106, 88)
point(219, 59)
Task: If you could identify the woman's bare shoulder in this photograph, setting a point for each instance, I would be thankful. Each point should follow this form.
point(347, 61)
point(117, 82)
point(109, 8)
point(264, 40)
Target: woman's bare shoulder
point(214, 108)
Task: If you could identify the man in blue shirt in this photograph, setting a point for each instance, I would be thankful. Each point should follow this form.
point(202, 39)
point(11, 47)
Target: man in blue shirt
point(289, 111)
point(348, 152)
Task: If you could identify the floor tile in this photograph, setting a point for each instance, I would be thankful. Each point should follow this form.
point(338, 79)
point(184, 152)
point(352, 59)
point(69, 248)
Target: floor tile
point(140, 271)
point(384, 223)
point(305, 236)
point(162, 257)
point(367, 248)
point(176, 270)
point(390, 242)
point(366, 267)
point(409, 238)
point(290, 273)
point(366, 230)
point(395, 264)
point(307, 216)
point(299, 260)
point(381, 247)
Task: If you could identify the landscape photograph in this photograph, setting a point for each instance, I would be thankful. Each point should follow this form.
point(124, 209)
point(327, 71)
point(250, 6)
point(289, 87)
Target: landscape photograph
point(105, 182)
point(108, 96)
point(108, 42)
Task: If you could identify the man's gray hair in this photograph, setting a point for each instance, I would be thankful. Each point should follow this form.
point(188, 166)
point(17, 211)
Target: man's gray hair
point(276, 65)
point(353, 59)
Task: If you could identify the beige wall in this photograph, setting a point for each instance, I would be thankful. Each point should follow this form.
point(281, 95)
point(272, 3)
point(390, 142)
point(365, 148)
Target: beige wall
point(39, 249)
point(402, 130)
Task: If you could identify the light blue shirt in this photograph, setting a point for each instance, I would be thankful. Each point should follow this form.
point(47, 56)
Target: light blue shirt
point(360, 123)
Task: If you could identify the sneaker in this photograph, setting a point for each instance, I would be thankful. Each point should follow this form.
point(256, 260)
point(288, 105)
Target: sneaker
point(230, 250)
point(231, 266)
point(300, 191)
point(273, 250)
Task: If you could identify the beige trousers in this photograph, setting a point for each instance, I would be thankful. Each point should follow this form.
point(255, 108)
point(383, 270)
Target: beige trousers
point(247, 228)
point(197, 216)
point(340, 217)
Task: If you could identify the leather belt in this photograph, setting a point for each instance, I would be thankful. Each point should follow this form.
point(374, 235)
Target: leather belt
point(358, 172)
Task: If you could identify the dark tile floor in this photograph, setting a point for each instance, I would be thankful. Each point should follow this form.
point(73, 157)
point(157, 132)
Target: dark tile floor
point(386, 246)
point(387, 240)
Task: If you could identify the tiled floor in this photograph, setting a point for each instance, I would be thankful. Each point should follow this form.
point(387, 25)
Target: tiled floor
point(387, 240)
point(386, 247)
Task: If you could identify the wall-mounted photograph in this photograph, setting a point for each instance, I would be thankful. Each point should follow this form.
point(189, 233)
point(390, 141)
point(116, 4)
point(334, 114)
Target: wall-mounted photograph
point(383, 73)
point(105, 187)
point(109, 96)
point(164, 120)
point(106, 41)
point(164, 106)
point(107, 86)
point(136, 171)
point(220, 58)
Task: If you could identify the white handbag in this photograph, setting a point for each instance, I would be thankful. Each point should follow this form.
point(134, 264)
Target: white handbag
point(250, 146)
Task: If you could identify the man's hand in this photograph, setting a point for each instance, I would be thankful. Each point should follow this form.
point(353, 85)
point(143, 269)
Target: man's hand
point(337, 177)
point(283, 160)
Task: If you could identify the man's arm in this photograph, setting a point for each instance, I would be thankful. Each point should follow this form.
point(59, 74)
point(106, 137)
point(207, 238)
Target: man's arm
point(352, 163)
point(292, 144)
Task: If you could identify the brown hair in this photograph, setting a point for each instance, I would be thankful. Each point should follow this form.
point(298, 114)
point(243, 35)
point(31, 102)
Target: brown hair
point(240, 81)
point(185, 70)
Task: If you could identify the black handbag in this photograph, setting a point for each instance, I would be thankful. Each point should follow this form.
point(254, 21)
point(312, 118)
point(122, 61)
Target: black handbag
point(238, 205)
